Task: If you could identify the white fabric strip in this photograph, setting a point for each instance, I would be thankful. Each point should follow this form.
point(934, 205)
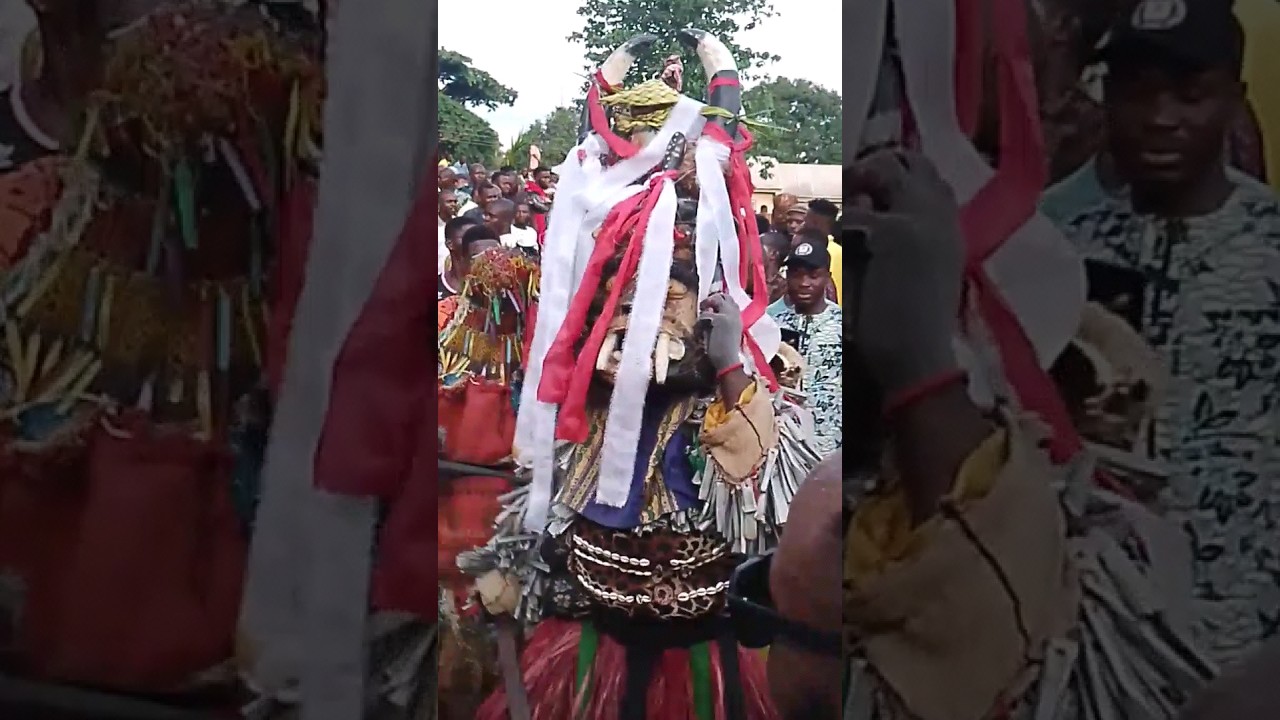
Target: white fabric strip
point(1039, 274)
point(715, 218)
point(626, 408)
point(590, 196)
point(535, 420)
point(864, 32)
point(306, 594)
point(716, 225)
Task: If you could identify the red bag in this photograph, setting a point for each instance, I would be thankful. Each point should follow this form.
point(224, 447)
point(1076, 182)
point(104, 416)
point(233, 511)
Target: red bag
point(149, 595)
point(479, 422)
point(468, 507)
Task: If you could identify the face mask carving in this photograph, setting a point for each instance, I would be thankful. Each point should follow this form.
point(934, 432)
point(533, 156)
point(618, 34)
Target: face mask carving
point(679, 359)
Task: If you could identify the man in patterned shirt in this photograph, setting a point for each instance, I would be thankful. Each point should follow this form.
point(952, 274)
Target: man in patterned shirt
point(818, 325)
point(1208, 249)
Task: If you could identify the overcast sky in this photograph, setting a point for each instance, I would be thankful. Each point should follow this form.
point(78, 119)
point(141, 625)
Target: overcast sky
point(522, 44)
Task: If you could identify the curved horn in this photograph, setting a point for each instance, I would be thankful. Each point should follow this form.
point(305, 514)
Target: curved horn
point(615, 68)
point(718, 62)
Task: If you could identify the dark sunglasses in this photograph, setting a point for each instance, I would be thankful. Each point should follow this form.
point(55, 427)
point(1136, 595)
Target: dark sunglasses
point(757, 624)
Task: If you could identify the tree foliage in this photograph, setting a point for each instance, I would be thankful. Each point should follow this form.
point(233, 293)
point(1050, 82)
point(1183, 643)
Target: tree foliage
point(471, 86)
point(801, 121)
point(555, 135)
point(463, 134)
point(609, 23)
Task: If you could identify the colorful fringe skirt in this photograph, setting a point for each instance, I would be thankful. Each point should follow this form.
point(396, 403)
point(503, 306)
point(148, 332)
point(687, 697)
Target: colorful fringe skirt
point(583, 671)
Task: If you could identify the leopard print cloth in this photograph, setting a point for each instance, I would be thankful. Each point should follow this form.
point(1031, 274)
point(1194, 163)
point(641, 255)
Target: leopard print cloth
point(656, 572)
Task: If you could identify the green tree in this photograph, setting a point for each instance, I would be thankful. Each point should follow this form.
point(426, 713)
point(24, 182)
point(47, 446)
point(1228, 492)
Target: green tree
point(609, 23)
point(463, 134)
point(801, 121)
point(470, 86)
point(555, 135)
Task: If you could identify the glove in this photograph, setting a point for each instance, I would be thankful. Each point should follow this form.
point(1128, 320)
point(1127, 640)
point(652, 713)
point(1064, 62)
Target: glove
point(724, 337)
point(902, 226)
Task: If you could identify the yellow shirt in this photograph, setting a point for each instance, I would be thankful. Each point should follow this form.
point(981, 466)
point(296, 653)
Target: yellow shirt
point(1261, 22)
point(837, 263)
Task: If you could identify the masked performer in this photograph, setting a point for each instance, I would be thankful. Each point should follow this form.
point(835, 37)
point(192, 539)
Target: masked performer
point(650, 417)
point(995, 579)
point(482, 349)
point(136, 338)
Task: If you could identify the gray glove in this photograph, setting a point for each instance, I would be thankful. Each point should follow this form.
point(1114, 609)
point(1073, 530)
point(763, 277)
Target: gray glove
point(902, 225)
point(724, 337)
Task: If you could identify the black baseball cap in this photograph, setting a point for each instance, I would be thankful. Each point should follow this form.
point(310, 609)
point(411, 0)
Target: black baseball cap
point(1199, 34)
point(809, 254)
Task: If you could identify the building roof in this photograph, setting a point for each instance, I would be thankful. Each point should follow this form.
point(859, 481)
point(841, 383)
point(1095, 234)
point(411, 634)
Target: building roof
point(804, 181)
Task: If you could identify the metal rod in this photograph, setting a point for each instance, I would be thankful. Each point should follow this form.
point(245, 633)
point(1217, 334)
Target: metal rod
point(455, 468)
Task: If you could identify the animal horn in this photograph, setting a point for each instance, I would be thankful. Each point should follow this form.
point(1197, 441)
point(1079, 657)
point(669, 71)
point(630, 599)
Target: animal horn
point(614, 69)
point(718, 62)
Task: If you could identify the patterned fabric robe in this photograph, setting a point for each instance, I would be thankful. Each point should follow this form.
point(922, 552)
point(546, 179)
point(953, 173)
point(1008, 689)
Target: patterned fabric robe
point(822, 348)
point(1212, 310)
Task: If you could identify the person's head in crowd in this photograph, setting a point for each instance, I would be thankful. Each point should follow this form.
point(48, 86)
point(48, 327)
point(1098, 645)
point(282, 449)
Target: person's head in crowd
point(795, 219)
point(775, 247)
point(478, 174)
point(808, 267)
point(453, 231)
point(506, 182)
point(448, 207)
point(524, 215)
point(485, 193)
point(446, 178)
point(499, 215)
point(781, 204)
point(475, 239)
point(542, 177)
point(762, 224)
point(821, 217)
point(1172, 90)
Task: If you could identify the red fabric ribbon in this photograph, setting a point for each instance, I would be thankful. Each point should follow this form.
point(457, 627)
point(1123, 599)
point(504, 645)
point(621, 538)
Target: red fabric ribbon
point(571, 422)
point(603, 84)
point(1002, 206)
point(600, 124)
point(383, 379)
point(717, 82)
point(751, 260)
point(557, 366)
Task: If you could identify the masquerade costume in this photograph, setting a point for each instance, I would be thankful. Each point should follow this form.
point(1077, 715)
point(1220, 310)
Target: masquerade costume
point(646, 482)
point(1063, 587)
point(138, 332)
point(482, 349)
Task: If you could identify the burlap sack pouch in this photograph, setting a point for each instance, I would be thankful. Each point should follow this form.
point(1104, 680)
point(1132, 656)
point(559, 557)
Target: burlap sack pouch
point(941, 628)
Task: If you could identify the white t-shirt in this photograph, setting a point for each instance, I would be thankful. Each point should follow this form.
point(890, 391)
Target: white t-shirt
point(525, 237)
point(442, 252)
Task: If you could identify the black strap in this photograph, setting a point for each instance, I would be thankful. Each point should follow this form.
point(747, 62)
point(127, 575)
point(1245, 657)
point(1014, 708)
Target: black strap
point(641, 661)
point(734, 703)
point(785, 630)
